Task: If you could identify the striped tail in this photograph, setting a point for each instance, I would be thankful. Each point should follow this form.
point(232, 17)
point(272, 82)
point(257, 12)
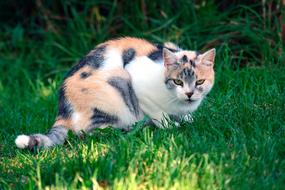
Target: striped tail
point(56, 136)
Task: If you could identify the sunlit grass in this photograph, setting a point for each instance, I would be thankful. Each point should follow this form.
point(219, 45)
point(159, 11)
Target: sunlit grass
point(235, 142)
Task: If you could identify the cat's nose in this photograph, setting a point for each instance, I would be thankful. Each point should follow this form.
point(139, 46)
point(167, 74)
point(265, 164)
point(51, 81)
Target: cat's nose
point(189, 94)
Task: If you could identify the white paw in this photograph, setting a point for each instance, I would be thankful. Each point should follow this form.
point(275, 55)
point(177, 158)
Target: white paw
point(22, 141)
point(177, 124)
point(188, 118)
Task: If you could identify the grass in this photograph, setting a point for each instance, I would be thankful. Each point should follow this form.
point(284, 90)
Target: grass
point(235, 142)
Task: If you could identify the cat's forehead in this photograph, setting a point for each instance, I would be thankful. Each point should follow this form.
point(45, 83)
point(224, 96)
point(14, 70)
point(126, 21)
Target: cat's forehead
point(187, 68)
point(184, 71)
point(186, 56)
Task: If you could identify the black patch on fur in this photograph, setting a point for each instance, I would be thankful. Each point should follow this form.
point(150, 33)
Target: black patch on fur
point(184, 59)
point(126, 90)
point(33, 142)
point(94, 59)
point(187, 75)
point(85, 75)
point(128, 55)
point(64, 108)
point(192, 63)
point(99, 118)
point(186, 72)
point(161, 46)
point(157, 54)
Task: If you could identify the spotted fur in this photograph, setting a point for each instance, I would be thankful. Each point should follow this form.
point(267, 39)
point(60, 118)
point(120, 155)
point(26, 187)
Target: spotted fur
point(128, 55)
point(103, 90)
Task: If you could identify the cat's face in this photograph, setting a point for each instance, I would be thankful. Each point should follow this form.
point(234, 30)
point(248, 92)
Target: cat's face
point(188, 75)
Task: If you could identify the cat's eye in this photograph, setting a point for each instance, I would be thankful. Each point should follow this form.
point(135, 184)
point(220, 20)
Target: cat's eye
point(199, 82)
point(178, 82)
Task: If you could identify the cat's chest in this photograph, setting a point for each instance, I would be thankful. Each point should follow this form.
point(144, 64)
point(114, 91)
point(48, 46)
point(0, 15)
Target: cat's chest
point(147, 77)
point(148, 82)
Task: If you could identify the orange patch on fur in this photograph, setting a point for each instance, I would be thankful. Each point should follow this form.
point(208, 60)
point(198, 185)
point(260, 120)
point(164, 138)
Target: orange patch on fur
point(93, 92)
point(205, 72)
point(142, 47)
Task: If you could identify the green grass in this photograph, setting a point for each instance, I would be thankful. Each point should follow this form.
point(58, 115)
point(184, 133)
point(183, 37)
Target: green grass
point(237, 139)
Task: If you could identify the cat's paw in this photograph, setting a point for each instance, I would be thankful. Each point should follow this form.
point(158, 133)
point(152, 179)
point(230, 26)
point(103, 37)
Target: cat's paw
point(177, 124)
point(188, 118)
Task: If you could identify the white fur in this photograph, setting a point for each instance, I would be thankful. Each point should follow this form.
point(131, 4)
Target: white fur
point(155, 99)
point(22, 141)
point(127, 119)
point(113, 59)
point(75, 117)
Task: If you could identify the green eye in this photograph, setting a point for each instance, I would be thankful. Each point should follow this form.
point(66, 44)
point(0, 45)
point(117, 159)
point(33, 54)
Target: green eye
point(178, 82)
point(199, 82)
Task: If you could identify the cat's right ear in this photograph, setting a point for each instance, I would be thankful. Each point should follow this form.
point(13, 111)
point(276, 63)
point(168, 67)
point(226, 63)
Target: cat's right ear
point(169, 58)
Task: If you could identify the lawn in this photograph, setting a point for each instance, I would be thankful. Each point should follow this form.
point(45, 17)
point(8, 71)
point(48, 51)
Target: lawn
point(237, 139)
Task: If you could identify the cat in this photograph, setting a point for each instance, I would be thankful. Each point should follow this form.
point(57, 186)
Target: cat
point(122, 80)
point(172, 85)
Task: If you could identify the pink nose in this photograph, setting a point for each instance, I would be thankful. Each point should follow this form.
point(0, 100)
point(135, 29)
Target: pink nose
point(189, 94)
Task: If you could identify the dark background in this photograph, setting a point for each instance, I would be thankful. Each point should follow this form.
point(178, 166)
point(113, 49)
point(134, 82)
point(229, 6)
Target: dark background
point(251, 29)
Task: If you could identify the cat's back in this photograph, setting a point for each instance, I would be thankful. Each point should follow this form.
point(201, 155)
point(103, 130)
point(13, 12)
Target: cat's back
point(127, 45)
point(121, 51)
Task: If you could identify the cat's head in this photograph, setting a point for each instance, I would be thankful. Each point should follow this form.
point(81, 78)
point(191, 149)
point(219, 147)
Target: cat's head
point(189, 75)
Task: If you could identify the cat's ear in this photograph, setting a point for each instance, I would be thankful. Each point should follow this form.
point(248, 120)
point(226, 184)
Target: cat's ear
point(208, 57)
point(169, 58)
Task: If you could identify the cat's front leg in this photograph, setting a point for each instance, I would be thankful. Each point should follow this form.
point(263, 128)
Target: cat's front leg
point(159, 119)
point(177, 119)
point(187, 118)
point(163, 120)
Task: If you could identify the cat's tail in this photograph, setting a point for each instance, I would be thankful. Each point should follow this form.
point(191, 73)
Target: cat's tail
point(55, 136)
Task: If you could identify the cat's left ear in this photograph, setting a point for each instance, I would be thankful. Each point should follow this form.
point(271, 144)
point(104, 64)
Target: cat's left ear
point(208, 57)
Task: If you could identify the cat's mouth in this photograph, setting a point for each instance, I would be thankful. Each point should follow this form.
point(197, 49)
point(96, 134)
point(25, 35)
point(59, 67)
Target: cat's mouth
point(190, 100)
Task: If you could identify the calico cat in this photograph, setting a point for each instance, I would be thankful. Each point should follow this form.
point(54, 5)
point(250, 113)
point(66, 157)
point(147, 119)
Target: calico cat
point(122, 80)
point(172, 85)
